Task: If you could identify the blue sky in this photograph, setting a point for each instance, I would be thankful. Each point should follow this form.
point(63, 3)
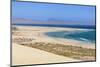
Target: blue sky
point(62, 14)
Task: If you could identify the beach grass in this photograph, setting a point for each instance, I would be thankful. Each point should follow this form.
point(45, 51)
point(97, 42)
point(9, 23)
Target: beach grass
point(65, 50)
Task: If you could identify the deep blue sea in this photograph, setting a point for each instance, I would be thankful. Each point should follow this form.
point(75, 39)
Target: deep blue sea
point(53, 25)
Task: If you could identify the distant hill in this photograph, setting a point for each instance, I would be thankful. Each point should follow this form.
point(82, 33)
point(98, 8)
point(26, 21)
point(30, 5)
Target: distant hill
point(49, 22)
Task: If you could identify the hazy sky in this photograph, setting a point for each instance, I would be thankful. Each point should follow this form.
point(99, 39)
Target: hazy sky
point(66, 14)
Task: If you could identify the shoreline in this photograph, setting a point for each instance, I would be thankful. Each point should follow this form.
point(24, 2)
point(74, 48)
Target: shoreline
point(41, 34)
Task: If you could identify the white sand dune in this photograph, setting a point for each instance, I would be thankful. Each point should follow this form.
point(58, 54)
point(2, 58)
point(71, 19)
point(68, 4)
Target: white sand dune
point(23, 55)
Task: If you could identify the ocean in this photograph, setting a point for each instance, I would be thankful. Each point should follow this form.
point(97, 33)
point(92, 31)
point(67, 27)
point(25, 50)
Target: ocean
point(53, 25)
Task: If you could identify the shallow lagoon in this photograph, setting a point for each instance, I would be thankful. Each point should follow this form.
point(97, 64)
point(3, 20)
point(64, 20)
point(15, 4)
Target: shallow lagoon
point(86, 35)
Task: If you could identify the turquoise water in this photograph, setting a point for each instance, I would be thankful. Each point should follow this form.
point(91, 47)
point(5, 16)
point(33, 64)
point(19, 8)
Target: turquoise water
point(80, 35)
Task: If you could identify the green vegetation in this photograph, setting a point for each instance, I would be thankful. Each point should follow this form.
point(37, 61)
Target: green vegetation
point(65, 50)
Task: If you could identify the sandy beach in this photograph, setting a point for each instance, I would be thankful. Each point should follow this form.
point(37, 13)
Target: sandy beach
point(26, 55)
